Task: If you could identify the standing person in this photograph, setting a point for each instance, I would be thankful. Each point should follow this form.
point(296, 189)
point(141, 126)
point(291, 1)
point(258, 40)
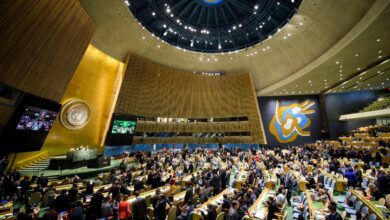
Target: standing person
point(124, 209)
point(223, 179)
point(160, 209)
point(273, 208)
point(107, 209)
point(96, 203)
point(115, 206)
point(233, 211)
point(139, 208)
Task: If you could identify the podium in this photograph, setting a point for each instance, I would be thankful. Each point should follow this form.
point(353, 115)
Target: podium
point(99, 162)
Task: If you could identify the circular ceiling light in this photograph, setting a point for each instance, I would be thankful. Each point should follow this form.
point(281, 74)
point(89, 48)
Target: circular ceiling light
point(213, 26)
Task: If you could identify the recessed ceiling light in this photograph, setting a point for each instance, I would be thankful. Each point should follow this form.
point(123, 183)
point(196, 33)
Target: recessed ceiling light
point(356, 55)
point(380, 51)
point(341, 66)
point(358, 68)
point(337, 62)
point(300, 23)
point(340, 71)
point(379, 57)
point(377, 40)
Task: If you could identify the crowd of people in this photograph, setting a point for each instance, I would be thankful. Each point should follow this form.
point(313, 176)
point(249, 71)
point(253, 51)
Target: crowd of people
point(210, 171)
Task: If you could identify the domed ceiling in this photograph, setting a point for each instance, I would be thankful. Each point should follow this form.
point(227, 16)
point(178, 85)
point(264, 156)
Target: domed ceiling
point(326, 46)
point(213, 26)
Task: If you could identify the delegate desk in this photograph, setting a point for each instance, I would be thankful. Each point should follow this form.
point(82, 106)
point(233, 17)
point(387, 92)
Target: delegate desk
point(270, 180)
point(6, 210)
point(373, 209)
point(216, 201)
point(258, 210)
point(241, 178)
point(151, 193)
point(316, 208)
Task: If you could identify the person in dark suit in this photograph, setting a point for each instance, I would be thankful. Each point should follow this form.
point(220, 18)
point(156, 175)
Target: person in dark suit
point(189, 194)
point(273, 208)
point(160, 208)
point(73, 193)
point(211, 213)
point(61, 202)
point(223, 179)
point(334, 215)
point(139, 207)
point(42, 180)
point(225, 203)
point(138, 185)
point(216, 182)
point(96, 203)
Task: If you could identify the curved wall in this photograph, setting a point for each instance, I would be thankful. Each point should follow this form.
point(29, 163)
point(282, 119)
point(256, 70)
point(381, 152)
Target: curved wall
point(149, 89)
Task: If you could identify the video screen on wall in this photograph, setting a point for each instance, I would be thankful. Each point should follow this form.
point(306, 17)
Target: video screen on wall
point(123, 127)
point(122, 130)
point(36, 119)
point(30, 124)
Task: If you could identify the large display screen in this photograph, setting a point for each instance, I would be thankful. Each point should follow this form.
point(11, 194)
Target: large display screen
point(122, 130)
point(123, 127)
point(29, 125)
point(36, 119)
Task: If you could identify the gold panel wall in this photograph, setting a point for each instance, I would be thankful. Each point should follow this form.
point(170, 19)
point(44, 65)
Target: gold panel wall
point(42, 42)
point(95, 82)
point(149, 89)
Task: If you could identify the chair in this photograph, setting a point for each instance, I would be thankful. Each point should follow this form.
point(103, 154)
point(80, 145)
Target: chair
point(364, 212)
point(364, 183)
point(147, 200)
point(381, 201)
point(195, 216)
point(347, 195)
point(358, 205)
point(35, 198)
point(172, 213)
point(330, 192)
point(343, 215)
point(372, 217)
point(388, 200)
point(150, 213)
point(221, 216)
point(219, 209)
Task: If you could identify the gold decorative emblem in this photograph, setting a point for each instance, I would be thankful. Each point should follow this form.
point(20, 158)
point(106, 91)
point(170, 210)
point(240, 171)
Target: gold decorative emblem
point(75, 114)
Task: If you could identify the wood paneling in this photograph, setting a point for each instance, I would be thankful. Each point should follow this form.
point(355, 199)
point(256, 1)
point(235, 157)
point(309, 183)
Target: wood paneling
point(41, 44)
point(94, 82)
point(149, 89)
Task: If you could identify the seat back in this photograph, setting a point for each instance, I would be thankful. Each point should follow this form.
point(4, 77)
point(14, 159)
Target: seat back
point(343, 215)
point(388, 200)
point(172, 213)
point(35, 198)
point(348, 194)
point(358, 205)
point(221, 216)
point(381, 201)
point(364, 211)
point(147, 200)
point(353, 200)
point(150, 213)
point(372, 217)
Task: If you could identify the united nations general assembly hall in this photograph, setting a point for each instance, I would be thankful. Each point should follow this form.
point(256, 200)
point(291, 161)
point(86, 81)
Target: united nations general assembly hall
point(194, 110)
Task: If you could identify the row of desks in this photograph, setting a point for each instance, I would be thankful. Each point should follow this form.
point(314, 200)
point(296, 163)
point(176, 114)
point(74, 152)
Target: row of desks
point(373, 209)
